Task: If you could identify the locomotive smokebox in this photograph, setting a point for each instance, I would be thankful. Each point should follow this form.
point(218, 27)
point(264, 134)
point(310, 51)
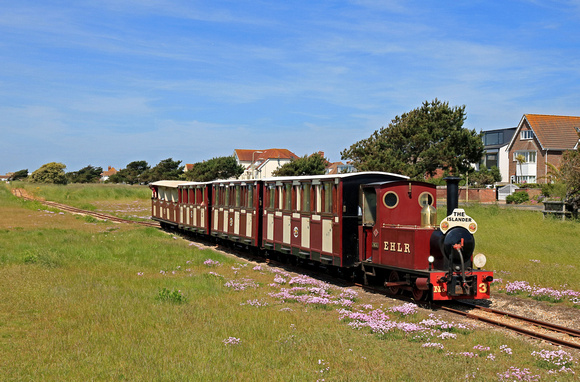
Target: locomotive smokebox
point(452, 193)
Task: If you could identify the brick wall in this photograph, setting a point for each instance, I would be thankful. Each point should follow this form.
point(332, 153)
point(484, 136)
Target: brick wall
point(479, 195)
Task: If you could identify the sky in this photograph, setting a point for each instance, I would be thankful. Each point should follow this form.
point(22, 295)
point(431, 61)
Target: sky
point(109, 82)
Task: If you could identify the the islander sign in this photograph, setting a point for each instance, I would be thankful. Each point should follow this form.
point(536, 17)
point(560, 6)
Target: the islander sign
point(458, 218)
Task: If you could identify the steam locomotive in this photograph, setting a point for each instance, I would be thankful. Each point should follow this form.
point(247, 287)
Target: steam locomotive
point(381, 225)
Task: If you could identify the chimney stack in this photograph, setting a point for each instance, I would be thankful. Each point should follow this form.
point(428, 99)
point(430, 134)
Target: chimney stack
point(452, 193)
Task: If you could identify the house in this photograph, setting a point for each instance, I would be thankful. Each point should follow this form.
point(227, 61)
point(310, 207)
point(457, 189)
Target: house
point(339, 168)
point(260, 164)
point(106, 174)
point(540, 140)
point(495, 142)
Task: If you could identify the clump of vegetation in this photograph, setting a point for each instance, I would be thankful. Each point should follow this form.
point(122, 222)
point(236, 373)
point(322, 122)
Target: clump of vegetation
point(517, 197)
point(174, 296)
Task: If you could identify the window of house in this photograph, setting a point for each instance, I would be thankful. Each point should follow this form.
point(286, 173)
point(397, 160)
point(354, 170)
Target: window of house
point(526, 134)
point(494, 138)
point(526, 179)
point(529, 156)
point(490, 160)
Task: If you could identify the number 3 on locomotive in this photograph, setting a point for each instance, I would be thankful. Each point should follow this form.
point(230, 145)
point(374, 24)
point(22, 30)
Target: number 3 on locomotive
point(482, 288)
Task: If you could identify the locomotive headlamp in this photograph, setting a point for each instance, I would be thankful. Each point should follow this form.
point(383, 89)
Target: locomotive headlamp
point(479, 260)
point(431, 259)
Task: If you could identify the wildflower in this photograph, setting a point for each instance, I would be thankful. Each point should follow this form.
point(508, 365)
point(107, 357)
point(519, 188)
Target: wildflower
point(211, 263)
point(231, 341)
point(516, 374)
point(139, 273)
point(433, 345)
point(555, 357)
point(505, 349)
point(405, 309)
point(481, 348)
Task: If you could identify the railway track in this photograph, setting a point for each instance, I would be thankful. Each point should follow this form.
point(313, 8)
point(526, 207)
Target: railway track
point(78, 211)
point(555, 334)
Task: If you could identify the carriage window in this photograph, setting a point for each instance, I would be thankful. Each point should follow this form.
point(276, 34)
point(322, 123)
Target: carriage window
point(288, 196)
point(250, 196)
point(272, 190)
point(306, 197)
point(237, 192)
point(317, 199)
point(296, 198)
point(369, 207)
point(327, 197)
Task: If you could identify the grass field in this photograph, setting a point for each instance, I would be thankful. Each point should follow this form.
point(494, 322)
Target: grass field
point(84, 300)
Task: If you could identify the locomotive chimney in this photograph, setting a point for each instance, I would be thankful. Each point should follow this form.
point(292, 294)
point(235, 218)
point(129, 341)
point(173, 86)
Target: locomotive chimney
point(452, 193)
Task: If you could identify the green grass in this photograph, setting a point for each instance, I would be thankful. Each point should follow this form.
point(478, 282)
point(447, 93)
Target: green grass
point(82, 195)
point(81, 301)
point(511, 238)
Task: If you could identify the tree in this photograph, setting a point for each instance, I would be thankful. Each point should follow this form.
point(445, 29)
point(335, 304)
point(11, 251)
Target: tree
point(570, 173)
point(314, 164)
point(521, 160)
point(167, 169)
point(52, 172)
point(419, 142)
point(20, 174)
point(131, 174)
point(485, 176)
point(87, 174)
point(215, 168)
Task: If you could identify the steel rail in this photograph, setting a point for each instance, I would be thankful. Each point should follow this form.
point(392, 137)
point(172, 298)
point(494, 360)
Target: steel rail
point(546, 325)
point(515, 328)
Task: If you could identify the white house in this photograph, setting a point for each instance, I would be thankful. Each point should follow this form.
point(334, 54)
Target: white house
point(260, 164)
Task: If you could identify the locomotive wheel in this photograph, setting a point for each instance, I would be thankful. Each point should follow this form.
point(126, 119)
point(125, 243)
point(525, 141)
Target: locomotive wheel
point(394, 277)
point(419, 295)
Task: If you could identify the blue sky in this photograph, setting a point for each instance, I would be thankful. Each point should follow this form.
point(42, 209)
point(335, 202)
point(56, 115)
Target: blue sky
point(109, 82)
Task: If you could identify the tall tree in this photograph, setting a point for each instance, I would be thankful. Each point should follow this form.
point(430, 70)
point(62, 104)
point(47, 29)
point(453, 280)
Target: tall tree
point(570, 173)
point(314, 164)
point(52, 172)
point(419, 142)
point(87, 174)
point(20, 174)
point(167, 169)
point(216, 168)
point(130, 174)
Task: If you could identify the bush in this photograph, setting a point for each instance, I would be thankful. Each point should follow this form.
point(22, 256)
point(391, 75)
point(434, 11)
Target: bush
point(554, 190)
point(517, 197)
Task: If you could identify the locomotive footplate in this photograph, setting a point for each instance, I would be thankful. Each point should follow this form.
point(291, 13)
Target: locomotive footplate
point(457, 287)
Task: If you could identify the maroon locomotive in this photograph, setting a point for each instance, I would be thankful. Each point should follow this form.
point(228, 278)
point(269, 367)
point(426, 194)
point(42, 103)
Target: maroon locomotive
point(380, 224)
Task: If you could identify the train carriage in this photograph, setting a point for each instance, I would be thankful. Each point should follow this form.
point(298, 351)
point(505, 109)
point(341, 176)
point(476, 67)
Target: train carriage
point(236, 210)
point(195, 207)
point(316, 217)
point(165, 202)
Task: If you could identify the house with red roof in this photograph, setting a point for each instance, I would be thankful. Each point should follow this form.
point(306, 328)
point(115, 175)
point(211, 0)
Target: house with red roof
point(261, 164)
point(106, 174)
point(540, 140)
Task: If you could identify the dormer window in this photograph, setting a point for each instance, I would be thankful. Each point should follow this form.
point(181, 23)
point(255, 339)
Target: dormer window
point(526, 134)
